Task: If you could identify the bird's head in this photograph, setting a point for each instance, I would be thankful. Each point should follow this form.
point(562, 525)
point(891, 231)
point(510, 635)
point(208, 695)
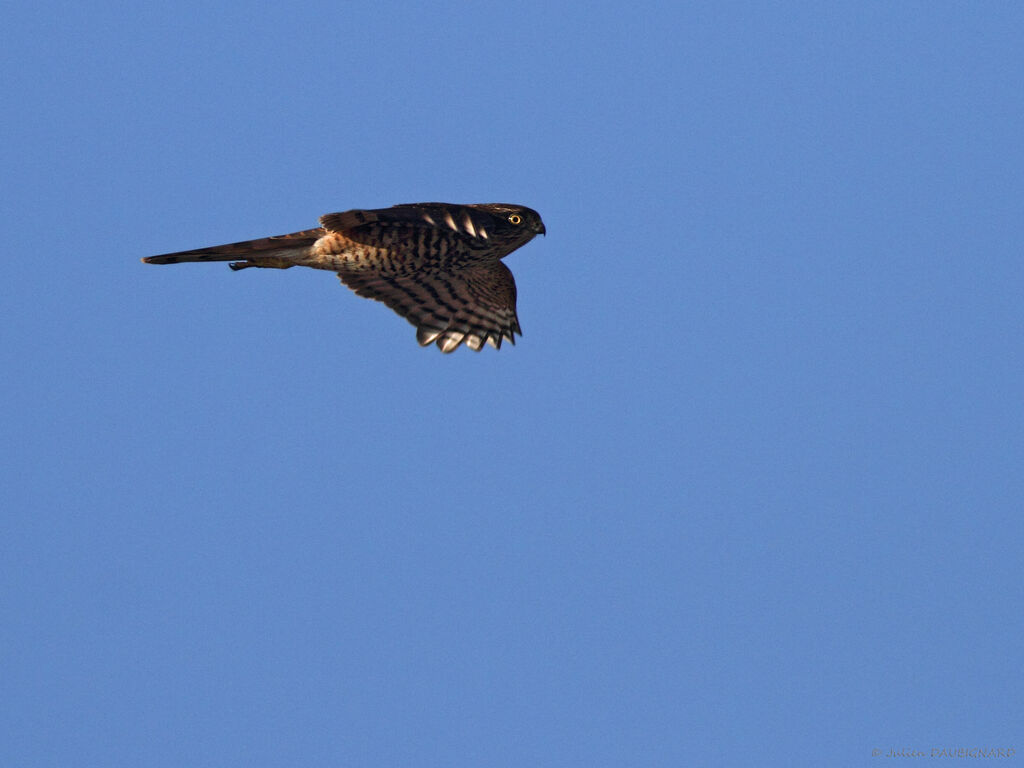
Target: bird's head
point(512, 225)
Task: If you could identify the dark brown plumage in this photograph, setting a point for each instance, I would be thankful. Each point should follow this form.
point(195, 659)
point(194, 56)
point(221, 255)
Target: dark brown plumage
point(436, 264)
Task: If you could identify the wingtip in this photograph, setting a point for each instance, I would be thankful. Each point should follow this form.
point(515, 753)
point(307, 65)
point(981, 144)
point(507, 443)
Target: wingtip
point(426, 335)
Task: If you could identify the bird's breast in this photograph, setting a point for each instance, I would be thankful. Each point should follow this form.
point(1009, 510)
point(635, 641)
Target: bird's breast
point(394, 250)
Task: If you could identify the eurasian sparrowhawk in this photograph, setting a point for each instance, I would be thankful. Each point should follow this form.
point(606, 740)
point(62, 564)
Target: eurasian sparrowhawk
point(436, 264)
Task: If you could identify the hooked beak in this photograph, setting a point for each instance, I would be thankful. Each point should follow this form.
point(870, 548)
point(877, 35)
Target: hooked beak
point(541, 230)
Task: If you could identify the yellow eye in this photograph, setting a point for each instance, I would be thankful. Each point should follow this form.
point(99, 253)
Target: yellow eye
point(515, 218)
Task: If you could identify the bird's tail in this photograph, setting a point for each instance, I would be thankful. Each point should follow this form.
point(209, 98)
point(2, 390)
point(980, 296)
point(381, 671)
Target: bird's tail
point(280, 251)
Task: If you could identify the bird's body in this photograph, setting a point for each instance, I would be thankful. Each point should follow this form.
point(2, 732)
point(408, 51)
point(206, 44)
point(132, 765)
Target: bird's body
point(436, 264)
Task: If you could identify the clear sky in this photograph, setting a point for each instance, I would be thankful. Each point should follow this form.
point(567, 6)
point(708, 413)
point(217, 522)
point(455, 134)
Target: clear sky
point(748, 491)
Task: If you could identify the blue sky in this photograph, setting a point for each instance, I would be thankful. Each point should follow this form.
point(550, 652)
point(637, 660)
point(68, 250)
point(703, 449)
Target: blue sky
point(747, 491)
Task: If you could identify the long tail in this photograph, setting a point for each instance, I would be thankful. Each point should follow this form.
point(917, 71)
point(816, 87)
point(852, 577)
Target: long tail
point(280, 251)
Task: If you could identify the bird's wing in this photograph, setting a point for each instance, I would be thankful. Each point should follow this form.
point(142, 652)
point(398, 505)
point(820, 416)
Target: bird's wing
point(460, 219)
point(476, 305)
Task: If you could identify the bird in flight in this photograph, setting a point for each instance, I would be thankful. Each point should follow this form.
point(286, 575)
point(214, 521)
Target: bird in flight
point(436, 264)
